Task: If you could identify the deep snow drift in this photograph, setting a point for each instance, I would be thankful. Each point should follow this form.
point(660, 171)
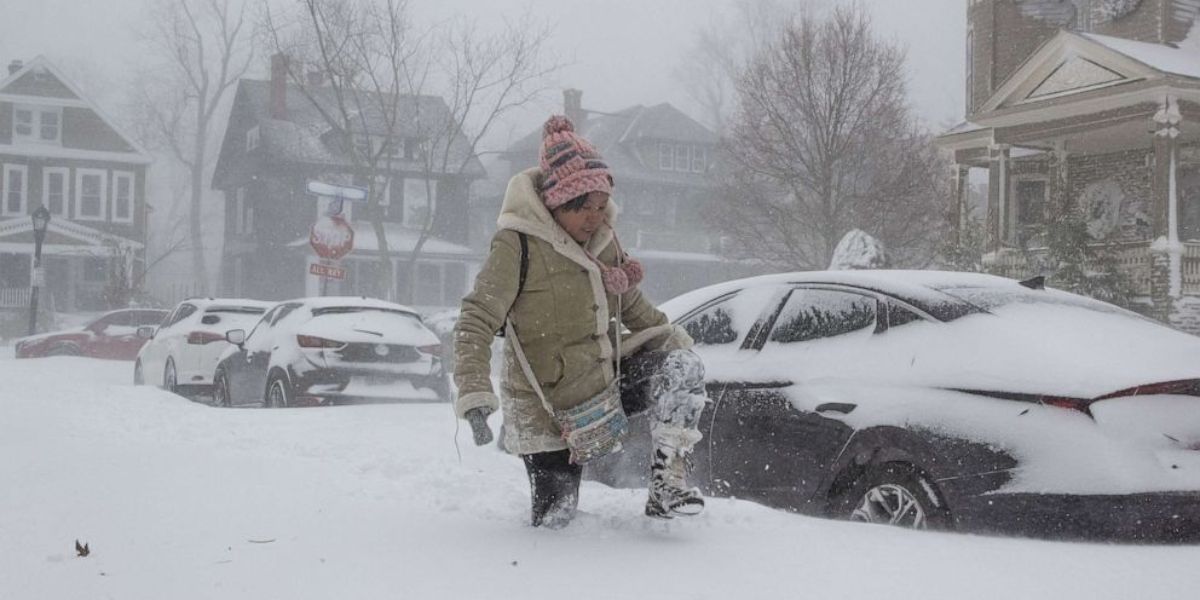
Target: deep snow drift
point(180, 500)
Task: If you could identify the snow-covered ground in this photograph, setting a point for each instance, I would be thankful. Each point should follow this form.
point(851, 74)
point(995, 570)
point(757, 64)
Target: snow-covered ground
point(179, 500)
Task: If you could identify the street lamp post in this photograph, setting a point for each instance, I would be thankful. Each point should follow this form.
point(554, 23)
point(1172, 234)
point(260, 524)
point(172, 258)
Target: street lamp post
point(41, 220)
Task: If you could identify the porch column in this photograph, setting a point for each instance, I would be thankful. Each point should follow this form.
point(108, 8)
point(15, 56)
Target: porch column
point(1058, 201)
point(997, 214)
point(959, 190)
point(1166, 253)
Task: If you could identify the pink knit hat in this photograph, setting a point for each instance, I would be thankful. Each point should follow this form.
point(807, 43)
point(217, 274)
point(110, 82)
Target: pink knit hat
point(571, 166)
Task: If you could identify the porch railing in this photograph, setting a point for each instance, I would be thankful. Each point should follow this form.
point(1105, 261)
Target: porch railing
point(14, 297)
point(1133, 258)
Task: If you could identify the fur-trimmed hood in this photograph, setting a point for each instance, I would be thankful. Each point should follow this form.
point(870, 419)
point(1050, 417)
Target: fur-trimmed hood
point(523, 211)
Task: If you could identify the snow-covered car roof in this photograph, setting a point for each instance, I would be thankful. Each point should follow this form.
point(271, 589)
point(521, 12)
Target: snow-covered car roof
point(1008, 337)
point(232, 304)
point(352, 302)
point(919, 287)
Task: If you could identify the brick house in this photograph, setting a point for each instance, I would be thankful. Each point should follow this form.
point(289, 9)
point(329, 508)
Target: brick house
point(1095, 105)
point(277, 141)
point(660, 159)
point(58, 149)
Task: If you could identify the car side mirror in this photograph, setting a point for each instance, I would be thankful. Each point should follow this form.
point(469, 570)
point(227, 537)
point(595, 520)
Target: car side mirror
point(146, 332)
point(237, 337)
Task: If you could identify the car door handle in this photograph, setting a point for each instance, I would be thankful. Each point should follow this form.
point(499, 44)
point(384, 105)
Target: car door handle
point(840, 407)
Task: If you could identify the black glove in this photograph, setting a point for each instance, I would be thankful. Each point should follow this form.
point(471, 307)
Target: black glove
point(477, 417)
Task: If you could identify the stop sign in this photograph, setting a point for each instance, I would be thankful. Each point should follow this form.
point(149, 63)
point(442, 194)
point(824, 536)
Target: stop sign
point(331, 237)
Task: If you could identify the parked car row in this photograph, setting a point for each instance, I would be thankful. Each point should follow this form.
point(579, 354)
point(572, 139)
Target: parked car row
point(302, 352)
point(914, 398)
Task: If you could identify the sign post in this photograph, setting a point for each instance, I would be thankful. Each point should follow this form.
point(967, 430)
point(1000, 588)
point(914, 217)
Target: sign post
point(331, 236)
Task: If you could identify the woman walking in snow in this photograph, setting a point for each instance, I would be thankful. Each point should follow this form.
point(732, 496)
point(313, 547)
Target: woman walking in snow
point(557, 280)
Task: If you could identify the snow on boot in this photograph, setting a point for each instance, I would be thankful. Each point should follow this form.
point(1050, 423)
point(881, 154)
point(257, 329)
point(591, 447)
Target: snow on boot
point(678, 392)
point(554, 488)
point(669, 494)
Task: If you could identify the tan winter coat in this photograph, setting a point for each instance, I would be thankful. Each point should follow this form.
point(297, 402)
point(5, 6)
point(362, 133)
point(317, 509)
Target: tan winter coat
point(562, 319)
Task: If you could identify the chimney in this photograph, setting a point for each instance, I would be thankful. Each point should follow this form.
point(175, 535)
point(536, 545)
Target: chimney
point(279, 83)
point(573, 107)
point(15, 66)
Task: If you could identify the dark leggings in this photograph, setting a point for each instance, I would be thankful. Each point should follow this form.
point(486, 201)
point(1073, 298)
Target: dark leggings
point(553, 484)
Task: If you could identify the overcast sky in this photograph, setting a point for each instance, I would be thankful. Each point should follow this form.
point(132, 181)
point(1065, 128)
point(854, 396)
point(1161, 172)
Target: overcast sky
point(619, 52)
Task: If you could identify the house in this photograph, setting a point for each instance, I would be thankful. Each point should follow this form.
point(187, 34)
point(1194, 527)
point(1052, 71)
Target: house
point(1092, 106)
point(59, 150)
point(660, 159)
point(277, 141)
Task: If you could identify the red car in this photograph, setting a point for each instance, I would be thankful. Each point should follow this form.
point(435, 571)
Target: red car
point(113, 335)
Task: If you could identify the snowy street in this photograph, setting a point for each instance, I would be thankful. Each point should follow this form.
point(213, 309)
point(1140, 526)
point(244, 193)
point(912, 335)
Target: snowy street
point(181, 500)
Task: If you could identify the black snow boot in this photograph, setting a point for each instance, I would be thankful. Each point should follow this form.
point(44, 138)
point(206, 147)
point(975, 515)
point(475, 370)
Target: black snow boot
point(554, 488)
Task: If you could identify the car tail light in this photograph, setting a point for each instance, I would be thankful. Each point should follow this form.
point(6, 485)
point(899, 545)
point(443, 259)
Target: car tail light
point(312, 341)
point(434, 349)
point(204, 337)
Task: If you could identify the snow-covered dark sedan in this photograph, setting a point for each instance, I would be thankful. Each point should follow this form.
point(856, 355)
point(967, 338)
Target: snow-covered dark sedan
point(948, 400)
point(328, 350)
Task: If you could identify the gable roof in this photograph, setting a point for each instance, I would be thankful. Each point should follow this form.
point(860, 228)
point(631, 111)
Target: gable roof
point(22, 86)
point(304, 137)
point(615, 136)
point(1072, 63)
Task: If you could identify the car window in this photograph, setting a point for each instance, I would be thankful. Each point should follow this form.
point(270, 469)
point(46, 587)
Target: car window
point(812, 314)
point(283, 311)
point(184, 311)
point(714, 325)
point(119, 319)
point(898, 315)
point(148, 317)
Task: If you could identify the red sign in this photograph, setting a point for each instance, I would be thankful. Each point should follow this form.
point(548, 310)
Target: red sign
point(331, 237)
point(327, 271)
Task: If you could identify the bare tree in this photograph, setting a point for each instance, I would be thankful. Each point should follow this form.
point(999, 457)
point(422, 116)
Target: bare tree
point(379, 72)
point(721, 49)
point(823, 142)
point(204, 47)
point(482, 77)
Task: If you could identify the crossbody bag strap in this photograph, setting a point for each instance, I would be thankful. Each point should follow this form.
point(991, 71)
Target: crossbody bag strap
point(525, 367)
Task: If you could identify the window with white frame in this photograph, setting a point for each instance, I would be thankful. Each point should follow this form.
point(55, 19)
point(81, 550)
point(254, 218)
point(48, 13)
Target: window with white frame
point(666, 157)
point(54, 190)
point(122, 197)
point(16, 186)
point(683, 159)
point(37, 124)
point(91, 199)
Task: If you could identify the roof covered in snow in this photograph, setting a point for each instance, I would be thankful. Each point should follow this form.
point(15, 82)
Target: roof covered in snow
point(1183, 60)
point(618, 137)
point(305, 136)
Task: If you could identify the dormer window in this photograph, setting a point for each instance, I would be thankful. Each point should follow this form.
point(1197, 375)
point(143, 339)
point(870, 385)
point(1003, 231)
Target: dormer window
point(37, 124)
point(682, 157)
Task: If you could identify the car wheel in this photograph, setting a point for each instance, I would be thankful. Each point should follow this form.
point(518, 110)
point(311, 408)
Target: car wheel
point(170, 377)
point(63, 350)
point(139, 378)
point(279, 393)
point(897, 494)
point(221, 395)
